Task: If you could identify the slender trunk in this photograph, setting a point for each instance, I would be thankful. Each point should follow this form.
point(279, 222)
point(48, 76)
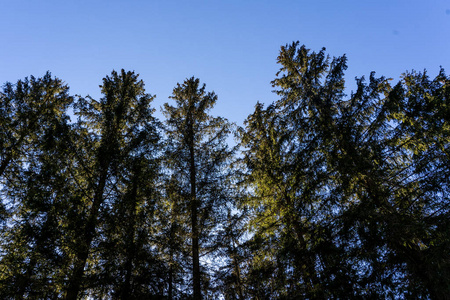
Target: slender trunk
point(194, 220)
point(126, 290)
point(130, 246)
point(171, 261)
point(170, 296)
point(195, 257)
point(86, 238)
point(237, 271)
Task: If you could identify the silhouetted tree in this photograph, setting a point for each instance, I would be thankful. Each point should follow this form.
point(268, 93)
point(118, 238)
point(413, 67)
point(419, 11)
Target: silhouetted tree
point(349, 197)
point(332, 196)
point(116, 145)
point(197, 156)
point(34, 126)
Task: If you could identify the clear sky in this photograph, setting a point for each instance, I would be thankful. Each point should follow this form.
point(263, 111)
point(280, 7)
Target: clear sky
point(230, 45)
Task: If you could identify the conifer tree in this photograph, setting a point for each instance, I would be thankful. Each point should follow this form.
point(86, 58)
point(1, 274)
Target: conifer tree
point(333, 197)
point(352, 193)
point(114, 135)
point(197, 157)
point(286, 149)
point(34, 125)
point(389, 152)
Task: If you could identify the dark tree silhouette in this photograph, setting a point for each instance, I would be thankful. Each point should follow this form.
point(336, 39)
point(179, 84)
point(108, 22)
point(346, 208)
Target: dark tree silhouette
point(197, 156)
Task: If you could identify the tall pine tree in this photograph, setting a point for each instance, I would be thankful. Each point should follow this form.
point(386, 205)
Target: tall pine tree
point(34, 126)
point(115, 144)
point(197, 158)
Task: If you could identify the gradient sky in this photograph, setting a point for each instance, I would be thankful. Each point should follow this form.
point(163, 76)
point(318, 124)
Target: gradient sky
point(230, 45)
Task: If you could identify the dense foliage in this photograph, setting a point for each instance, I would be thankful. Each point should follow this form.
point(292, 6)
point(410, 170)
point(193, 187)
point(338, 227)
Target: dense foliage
point(326, 196)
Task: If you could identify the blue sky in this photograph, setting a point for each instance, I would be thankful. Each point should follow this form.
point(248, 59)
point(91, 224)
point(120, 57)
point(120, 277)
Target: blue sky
point(230, 45)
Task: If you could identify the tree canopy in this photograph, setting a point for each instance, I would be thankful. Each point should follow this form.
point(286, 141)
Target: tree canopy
point(324, 195)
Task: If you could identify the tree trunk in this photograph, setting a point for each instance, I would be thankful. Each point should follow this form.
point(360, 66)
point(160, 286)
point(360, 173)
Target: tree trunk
point(171, 260)
point(85, 241)
point(130, 246)
point(237, 270)
point(194, 220)
point(170, 296)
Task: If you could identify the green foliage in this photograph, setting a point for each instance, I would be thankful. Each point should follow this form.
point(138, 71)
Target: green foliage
point(286, 148)
point(348, 195)
point(331, 197)
point(34, 125)
point(197, 159)
point(117, 151)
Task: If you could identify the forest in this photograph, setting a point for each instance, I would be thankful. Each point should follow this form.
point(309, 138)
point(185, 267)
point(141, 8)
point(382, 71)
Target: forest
point(323, 195)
